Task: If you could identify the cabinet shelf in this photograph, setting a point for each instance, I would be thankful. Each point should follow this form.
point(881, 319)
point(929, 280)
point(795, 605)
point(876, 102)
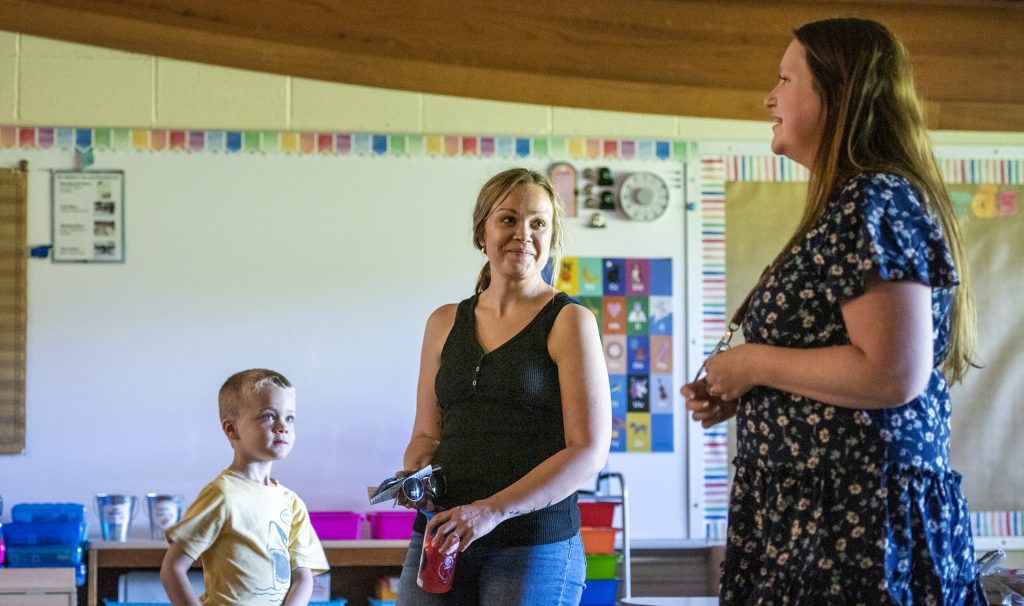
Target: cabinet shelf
point(111, 557)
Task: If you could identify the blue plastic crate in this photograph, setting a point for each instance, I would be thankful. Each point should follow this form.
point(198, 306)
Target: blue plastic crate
point(37, 556)
point(48, 512)
point(44, 533)
point(600, 593)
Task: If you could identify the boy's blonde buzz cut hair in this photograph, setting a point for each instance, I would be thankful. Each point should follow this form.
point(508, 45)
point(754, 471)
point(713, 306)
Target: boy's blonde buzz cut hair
point(236, 392)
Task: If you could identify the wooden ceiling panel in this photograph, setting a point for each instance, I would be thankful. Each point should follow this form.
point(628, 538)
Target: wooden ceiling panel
point(949, 79)
point(714, 58)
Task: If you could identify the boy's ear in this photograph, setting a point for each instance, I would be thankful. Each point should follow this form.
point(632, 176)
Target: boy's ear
point(229, 429)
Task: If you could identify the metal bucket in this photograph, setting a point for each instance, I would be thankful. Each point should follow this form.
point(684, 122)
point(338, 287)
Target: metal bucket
point(115, 512)
point(164, 511)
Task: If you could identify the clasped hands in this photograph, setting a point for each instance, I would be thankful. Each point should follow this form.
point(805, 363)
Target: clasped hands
point(705, 407)
point(714, 395)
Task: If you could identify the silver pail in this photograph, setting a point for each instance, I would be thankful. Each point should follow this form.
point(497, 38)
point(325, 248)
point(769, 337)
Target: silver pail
point(115, 512)
point(164, 511)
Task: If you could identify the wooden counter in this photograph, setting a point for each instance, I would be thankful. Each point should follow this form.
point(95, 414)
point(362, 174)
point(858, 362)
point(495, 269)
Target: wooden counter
point(145, 554)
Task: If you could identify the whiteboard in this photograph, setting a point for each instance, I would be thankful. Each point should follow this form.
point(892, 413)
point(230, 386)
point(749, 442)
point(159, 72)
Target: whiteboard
point(323, 267)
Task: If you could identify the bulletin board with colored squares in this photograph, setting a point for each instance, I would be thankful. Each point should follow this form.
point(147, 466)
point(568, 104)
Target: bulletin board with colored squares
point(632, 300)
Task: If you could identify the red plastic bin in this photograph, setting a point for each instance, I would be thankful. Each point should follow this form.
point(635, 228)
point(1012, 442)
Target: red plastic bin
point(336, 525)
point(391, 524)
point(596, 514)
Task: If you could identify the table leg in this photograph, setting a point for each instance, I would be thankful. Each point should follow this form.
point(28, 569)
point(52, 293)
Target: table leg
point(92, 578)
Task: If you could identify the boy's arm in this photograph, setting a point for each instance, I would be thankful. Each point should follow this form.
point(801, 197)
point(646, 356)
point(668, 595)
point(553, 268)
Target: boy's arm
point(301, 588)
point(174, 577)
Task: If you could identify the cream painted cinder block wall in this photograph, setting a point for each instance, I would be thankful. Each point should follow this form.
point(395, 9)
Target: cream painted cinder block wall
point(8, 77)
point(51, 83)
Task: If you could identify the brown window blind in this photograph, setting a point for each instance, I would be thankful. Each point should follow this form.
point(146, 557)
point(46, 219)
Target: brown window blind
point(13, 254)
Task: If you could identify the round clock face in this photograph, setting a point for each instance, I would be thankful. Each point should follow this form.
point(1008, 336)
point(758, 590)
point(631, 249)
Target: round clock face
point(643, 196)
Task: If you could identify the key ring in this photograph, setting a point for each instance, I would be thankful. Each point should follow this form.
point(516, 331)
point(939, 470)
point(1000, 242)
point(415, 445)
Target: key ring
point(722, 345)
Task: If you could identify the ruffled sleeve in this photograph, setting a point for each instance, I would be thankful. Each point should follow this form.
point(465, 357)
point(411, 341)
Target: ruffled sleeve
point(876, 223)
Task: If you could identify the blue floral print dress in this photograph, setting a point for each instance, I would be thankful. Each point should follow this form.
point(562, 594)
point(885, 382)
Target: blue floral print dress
point(836, 505)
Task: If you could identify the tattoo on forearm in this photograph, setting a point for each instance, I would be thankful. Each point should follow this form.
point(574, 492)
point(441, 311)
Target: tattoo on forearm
point(515, 512)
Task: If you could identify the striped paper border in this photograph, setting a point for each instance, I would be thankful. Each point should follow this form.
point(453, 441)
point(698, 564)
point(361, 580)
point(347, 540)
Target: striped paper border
point(718, 169)
point(762, 168)
point(987, 171)
point(714, 172)
point(340, 144)
point(954, 170)
point(998, 523)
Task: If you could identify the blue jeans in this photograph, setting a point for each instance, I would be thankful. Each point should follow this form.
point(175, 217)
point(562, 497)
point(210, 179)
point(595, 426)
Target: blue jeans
point(530, 575)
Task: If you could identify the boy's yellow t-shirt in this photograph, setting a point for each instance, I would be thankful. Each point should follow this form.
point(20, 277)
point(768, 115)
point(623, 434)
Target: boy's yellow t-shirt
point(250, 537)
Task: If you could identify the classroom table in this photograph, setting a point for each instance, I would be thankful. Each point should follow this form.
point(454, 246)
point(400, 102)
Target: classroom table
point(113, 557)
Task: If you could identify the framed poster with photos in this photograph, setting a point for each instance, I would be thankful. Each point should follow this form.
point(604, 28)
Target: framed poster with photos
point(87, 213)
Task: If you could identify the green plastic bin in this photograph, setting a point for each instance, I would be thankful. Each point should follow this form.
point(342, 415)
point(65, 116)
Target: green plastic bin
point(601, 566)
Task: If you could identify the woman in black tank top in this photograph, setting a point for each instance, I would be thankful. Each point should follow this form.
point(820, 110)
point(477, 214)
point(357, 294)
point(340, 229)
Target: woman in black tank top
point(513, 404)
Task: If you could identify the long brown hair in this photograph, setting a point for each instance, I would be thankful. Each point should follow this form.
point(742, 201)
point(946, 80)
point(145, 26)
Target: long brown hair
point(493, 192)
point(873, 121)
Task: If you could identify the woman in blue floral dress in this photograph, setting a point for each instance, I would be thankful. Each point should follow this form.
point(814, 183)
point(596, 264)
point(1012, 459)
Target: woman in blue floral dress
point(843, 492)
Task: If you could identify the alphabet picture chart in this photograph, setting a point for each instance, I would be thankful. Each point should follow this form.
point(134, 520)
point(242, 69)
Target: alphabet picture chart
point(632, 301)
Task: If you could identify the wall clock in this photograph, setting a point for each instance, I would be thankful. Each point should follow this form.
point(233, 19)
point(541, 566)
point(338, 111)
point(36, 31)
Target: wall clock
point(643, 196)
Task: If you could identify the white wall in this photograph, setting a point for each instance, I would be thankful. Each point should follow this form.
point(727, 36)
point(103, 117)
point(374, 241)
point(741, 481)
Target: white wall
point(322, 267)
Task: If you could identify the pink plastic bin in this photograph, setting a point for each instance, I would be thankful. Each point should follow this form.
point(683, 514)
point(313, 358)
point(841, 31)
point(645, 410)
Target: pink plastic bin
point(336, 525)
point(391, 524)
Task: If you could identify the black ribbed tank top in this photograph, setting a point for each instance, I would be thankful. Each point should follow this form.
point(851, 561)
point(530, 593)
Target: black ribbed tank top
point(501, 416)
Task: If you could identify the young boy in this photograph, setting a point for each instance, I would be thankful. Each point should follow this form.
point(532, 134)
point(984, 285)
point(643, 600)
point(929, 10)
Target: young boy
point(253, 534)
